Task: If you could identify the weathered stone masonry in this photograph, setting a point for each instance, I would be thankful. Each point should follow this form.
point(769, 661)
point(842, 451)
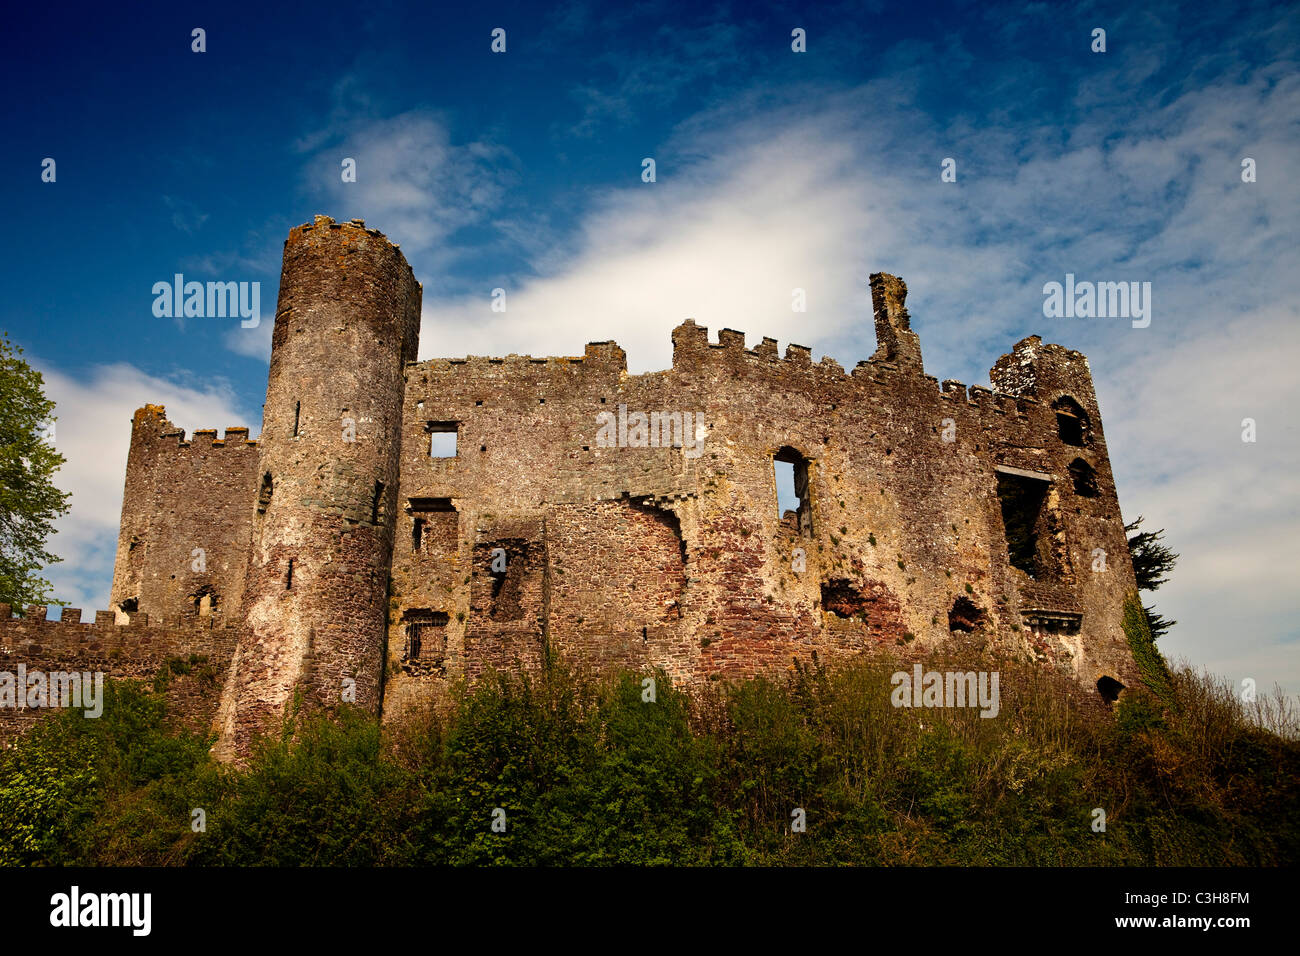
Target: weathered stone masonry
point(136, 648)
point(646, 556)
point(404, 523)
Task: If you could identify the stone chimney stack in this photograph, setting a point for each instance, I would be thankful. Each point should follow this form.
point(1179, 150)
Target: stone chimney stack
point(895, 340)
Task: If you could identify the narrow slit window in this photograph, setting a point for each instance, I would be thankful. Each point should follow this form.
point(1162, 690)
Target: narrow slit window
point(288, 577)
point(297, 417)
point(378, 512)
point(417, 534)
point(264, 494)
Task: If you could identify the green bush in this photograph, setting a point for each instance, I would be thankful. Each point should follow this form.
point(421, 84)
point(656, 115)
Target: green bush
point(578, 771)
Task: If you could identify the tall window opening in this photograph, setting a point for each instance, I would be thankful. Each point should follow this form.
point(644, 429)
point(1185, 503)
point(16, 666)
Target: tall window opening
point(793, 502)
point(378, 507)
point(1084, 478)
point(1027, 522)
point(435, 525)
point(297, 414)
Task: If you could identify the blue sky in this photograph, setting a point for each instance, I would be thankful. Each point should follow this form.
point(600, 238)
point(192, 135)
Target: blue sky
point(774, 170)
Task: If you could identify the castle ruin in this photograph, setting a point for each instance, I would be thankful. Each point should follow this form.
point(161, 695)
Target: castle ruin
point(402, 524)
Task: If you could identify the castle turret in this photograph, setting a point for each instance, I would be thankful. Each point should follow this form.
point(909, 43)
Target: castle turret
point(183, 540)
point(1060, 381)
point(315, 600)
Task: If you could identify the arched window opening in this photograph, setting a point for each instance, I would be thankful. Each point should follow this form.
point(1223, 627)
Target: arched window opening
point(1109, 689)
point(1071, 421)
point(1084, 478)
point(965, 615)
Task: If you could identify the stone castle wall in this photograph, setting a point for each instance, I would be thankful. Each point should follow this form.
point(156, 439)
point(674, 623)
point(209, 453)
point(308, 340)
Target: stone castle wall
point(137, 649)
point(933, 516)
point(646, 556)
point(187, 511)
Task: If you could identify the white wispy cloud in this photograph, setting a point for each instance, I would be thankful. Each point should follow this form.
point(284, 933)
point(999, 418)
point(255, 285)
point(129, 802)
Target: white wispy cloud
point(409, 176)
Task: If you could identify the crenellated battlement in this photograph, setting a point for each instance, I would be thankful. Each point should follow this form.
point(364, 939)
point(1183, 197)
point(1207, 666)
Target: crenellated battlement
point(195, 657)
point(119, 621)
point(513, 359)
point(236, 436)
point(325, 229)
point(150, 421)
point(35, 639)
point(694, 350)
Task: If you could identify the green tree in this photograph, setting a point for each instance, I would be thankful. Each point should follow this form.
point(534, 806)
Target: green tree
point(29, 501)
point(1151, 562)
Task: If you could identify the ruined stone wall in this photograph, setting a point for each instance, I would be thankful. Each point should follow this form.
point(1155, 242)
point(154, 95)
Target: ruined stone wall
point(134, 650)
point(618, 578)
point(187, 511)
point(651, 556)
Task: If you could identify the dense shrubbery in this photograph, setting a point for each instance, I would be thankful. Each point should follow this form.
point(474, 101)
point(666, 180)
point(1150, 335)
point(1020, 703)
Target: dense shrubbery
point(589, 774)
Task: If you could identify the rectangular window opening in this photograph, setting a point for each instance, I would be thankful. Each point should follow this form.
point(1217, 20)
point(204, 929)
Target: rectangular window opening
point(1026, 521)
point(426, 635)
point(793, 502)
point(435, 526)
point(442, 438)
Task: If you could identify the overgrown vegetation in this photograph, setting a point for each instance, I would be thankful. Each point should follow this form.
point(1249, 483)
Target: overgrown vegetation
point(591, 773)
point(1151, 665)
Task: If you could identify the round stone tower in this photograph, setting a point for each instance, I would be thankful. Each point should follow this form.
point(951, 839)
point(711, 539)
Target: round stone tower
point(315, 600)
